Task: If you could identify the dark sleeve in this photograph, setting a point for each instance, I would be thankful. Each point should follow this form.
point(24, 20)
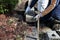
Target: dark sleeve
point(57, 3)
point(33, 3)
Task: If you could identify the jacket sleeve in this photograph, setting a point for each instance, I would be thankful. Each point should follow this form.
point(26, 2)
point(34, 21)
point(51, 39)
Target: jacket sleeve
point(56, 11)
point(33, 3)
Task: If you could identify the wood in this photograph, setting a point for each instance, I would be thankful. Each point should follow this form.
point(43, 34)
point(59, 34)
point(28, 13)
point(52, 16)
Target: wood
point(38, 27)
point(20, 6)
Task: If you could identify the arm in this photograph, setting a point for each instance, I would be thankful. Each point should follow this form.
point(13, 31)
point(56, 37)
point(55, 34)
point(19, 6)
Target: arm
point(30, 5)
point(33, 2)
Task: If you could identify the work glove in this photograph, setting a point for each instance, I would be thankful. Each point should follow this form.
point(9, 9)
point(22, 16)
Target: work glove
point(38, 16)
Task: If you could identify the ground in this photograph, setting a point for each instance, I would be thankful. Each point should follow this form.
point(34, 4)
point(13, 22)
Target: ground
point(13, 27)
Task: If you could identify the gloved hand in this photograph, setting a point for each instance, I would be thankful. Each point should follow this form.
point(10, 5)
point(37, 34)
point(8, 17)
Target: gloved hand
point(37, 16)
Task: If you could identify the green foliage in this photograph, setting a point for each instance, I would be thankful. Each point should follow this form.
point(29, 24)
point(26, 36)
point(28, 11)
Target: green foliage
point(7, 5)
point(2, 9)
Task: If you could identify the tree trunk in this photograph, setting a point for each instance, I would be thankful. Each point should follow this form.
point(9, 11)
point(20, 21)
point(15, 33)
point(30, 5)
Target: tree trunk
point(20, 5)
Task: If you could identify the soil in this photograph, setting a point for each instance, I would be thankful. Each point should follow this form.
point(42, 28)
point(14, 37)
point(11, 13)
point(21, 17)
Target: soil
point(11, 28)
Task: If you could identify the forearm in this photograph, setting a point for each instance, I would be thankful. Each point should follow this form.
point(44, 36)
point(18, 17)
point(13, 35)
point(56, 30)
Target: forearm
point(33, 2)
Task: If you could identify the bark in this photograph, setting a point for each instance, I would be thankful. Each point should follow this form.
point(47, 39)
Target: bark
point(20, 5)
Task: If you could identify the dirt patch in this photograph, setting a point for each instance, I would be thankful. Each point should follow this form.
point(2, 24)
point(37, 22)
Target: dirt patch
point(11, 28)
